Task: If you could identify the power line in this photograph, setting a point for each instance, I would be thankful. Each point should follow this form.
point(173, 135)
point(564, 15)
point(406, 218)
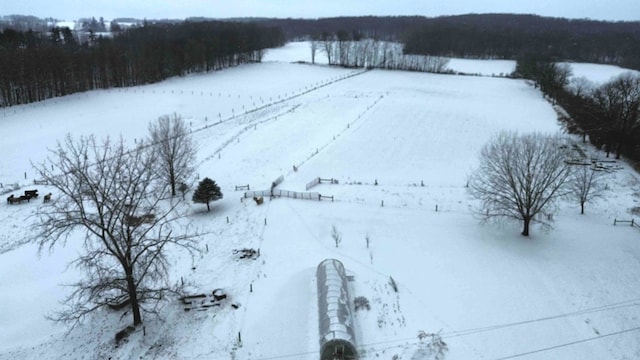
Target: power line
point(568, 344)
point(623, 304)
point(459, 333)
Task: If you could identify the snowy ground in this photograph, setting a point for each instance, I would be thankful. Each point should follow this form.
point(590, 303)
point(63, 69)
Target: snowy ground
point(492, 293)
point(596, 73)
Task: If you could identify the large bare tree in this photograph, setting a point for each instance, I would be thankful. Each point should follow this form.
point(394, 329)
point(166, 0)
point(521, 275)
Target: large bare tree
point(520, 176)
point(113, 195)
point(170, 136)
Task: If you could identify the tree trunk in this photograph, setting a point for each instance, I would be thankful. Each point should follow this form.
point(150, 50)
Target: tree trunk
point(525, 230)
point(582, 208)
point(133, 297)
point(208, 206)
point(172, 178)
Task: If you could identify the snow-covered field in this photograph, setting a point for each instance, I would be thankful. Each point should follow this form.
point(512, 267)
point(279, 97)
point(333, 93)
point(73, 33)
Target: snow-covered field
point(596, 73)
point(570, 292)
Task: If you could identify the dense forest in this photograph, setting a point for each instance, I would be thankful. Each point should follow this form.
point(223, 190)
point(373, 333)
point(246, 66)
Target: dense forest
point(38, 65)
point(511, 36)
point(374, 27)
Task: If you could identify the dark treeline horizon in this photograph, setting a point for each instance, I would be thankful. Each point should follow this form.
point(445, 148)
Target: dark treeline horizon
point(35, 66)
point(505, 36)
point(495, 36)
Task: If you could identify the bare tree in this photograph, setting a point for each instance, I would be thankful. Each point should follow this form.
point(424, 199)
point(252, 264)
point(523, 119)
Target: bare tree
point(113, 195)
point(176, 150)
point(336, 235)
point(314, 48)
point(585, 185)
point(520, 176)
point(328, 44)
point(581, 86)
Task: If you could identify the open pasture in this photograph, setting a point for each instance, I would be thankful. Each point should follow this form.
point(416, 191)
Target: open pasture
point(399, 144)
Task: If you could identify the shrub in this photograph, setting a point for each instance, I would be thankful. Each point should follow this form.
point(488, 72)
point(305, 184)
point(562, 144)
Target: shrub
point(361, 302)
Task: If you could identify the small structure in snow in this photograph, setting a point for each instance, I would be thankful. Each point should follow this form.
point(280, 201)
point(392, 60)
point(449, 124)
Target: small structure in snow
point(337, 339)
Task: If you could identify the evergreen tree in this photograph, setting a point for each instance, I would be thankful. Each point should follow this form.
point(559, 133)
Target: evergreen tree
point(206, 192)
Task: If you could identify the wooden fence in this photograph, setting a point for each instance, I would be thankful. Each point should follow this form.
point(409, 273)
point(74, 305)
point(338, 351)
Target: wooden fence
point(313, 183)
point(320, 180)
point(631, 222)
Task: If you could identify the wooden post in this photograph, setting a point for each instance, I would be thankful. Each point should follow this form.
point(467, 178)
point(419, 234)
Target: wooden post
point(382, 203)
point(227, 219)
point(207, 246)
point(239, 337)
point(265, 221)
point(251, 288)
point(436, 207)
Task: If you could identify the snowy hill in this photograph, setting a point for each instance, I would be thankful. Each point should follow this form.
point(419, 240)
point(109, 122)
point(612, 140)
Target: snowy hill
point(400, 144)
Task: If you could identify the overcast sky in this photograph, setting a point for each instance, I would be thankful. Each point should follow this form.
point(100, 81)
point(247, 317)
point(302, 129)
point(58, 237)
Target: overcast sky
point(180, 9)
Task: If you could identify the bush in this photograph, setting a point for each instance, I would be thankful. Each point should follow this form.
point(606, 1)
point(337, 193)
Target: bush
point(361, 302)
point(433, 344)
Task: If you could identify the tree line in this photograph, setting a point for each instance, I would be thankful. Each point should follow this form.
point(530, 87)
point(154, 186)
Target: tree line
point(608, 114)
point(39, 65)
point(390, 28)
point(508, 36)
